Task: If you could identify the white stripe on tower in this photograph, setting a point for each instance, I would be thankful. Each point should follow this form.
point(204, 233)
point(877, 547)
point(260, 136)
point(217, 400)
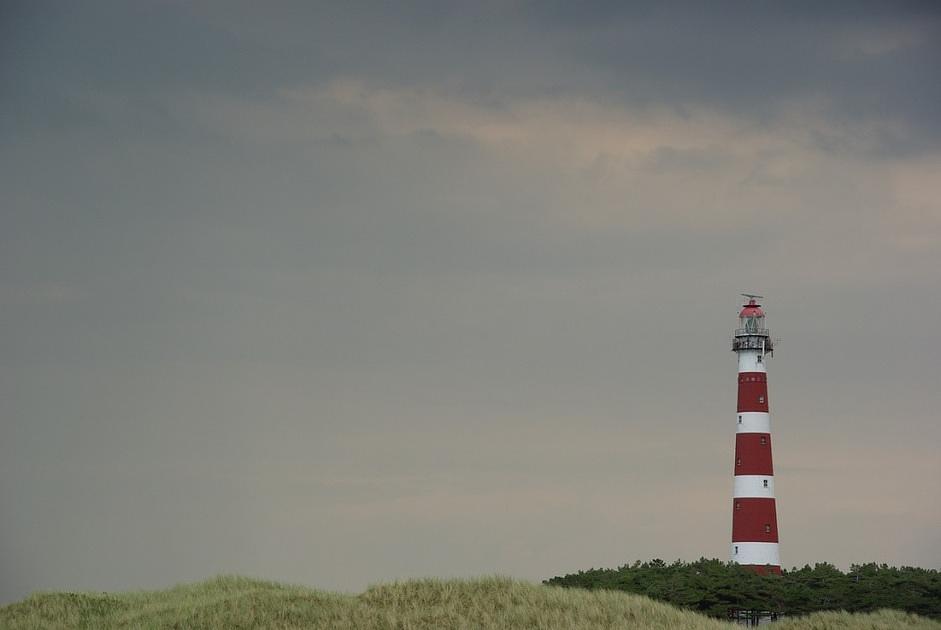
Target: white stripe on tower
point(753, 422)
point(754, 513)
point(756, 554)
point(752, 486)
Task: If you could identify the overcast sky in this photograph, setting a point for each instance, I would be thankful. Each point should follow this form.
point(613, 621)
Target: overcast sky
point(341, 294)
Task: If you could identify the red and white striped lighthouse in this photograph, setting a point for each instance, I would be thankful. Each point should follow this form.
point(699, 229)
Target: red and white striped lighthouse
point(754, 519)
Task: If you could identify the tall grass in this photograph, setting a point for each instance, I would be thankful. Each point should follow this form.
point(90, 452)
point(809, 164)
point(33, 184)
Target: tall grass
point(480, 604)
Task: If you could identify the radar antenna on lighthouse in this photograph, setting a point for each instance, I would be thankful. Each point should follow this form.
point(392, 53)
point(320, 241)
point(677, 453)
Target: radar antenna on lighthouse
point(754, 516)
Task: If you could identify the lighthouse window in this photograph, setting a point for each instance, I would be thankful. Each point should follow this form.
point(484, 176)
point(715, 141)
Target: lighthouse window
point(740, 419)
point(738, 506)
point(761, 399)
point(759, 358)
point(767, 528)
point(764, 440)
point(766, 483)
point(736, 548)
point(738, 461)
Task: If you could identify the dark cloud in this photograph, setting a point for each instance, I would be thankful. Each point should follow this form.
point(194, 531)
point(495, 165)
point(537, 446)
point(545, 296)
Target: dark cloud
point(871, 59)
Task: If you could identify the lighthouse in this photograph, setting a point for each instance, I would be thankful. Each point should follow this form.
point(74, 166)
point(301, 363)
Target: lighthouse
point(754, 518)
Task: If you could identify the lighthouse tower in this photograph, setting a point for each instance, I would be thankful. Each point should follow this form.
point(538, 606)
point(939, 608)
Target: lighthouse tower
point(754, 519)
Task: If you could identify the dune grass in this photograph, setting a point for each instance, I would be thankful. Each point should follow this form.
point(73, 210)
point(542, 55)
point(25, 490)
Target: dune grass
point(479, 604)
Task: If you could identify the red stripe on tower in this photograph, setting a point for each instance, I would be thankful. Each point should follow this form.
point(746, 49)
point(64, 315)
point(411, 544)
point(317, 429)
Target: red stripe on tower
point(753, 391)
point(754, 513)
point(753, 454)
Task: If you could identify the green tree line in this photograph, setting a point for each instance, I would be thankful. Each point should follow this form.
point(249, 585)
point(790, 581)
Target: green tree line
point(714, 587)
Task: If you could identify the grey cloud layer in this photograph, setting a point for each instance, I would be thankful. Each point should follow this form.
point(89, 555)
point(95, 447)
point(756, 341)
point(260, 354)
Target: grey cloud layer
point(869, 61)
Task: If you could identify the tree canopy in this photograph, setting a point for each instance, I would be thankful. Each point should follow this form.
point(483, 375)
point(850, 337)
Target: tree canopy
point(714, 587)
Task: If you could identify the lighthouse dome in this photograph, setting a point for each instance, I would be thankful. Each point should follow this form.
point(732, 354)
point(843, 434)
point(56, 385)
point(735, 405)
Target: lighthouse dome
point(752, 309)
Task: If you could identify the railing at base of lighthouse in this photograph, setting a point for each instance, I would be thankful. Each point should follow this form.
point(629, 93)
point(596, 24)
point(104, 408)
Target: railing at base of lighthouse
point(753, 617)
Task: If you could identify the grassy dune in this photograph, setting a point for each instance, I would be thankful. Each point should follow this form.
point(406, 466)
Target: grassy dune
point(484, 604)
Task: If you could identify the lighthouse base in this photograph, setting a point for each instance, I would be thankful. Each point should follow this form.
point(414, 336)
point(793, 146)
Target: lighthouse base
point(763, 569)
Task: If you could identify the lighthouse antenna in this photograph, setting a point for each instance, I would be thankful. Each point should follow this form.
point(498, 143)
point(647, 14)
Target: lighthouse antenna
point(752, 296)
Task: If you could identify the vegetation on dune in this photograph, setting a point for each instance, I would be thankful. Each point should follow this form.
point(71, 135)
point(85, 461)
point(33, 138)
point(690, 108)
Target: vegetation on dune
point(484, 604)
point(713, 587)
